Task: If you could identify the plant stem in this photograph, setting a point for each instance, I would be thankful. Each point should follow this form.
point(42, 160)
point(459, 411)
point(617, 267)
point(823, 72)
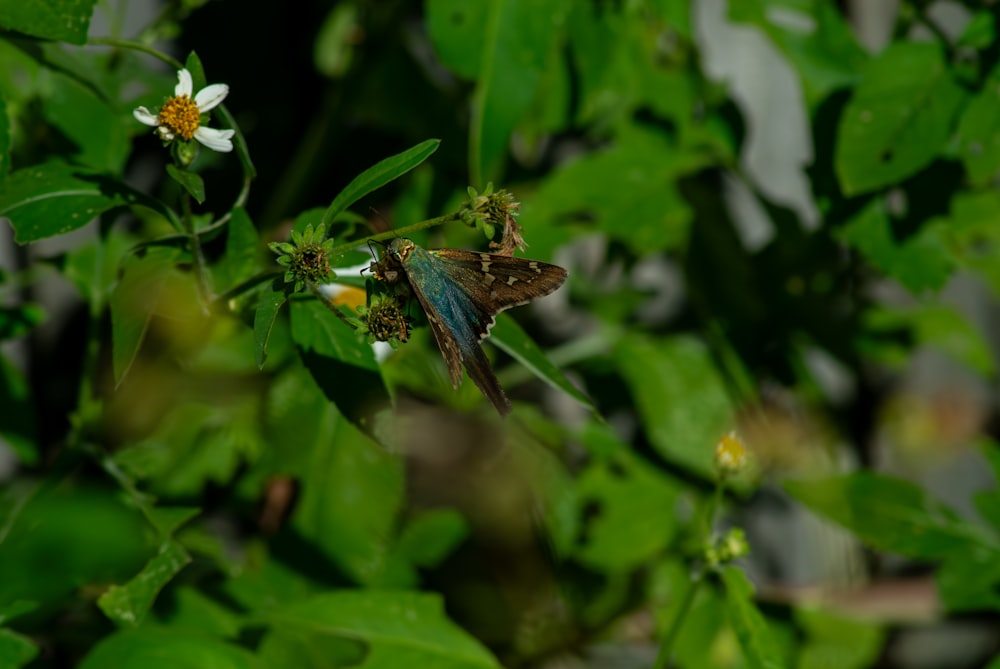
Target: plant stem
point(393, 234)
point(708, 518)
point(136, 46)
point(666, 647)
point(200, 266)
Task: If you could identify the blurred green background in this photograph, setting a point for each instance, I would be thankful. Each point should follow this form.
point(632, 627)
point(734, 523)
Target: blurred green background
point(779, 218)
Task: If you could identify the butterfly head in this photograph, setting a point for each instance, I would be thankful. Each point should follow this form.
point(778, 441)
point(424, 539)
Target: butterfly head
point(400, 249)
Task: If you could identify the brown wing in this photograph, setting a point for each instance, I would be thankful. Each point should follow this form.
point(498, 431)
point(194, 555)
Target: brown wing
point(497, 283)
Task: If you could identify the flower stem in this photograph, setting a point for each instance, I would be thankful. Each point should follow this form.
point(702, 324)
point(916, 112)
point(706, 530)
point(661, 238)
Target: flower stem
point(200, 265)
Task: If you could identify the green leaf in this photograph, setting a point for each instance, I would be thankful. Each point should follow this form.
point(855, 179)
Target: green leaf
point(63, 20)
point(336, 40)
point(167, 519)
point(921, 262)
point(4, 140)
point(194, 65)
point(18, 321)
point(511, 338)
point(242, 257)
point(380, 174)
point(352, 490)
point(633, 513)
point(263, 321)
point(315, 329)
point(680, 396)
point(165, 648)
point(458, 32)
point(400, 628)
point(93, 268)
point(128, 604)
point(970, 580)
point(889, 514)
point(17, 420)
point(341, 363)
point(898, 119)
point(832, 641)
point(979, 132)
point(518, 39)
point(15, 650)
point(638, 174)
point(432, 536)
point(190, 181)
point(99, 131)
point(52, 198)
point(107, 539)
point(980, 31)
point(952, 333)
point(974, 234)
point(133, 302)
point(815, 38)
point(759, 648)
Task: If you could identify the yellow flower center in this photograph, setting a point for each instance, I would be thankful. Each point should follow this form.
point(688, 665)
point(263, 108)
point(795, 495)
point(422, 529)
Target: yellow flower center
point(181, 116)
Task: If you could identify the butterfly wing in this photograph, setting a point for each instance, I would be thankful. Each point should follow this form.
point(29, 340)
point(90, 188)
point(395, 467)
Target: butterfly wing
point(497, 283)
point(457, 320)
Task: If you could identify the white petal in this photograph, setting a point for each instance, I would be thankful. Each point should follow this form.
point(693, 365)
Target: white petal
point(166, 133)
point(217, 140)
point(210, 97)
point(184, 84)
point(143, 115)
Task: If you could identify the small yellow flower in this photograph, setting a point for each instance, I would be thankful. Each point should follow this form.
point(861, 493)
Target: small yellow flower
point(180, 116)
point(730, 454)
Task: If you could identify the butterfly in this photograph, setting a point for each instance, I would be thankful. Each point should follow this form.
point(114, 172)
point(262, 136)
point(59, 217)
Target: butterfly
point(461, 293)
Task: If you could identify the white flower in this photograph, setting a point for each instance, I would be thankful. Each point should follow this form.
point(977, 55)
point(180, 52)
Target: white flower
point(180, 116)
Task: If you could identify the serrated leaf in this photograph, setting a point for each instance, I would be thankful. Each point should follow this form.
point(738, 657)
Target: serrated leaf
point(380, 174)
point(128, 604)
point(898, 119)
point(315, 329)
point(263, 321)
point(16, 650)
point(400, 628)
point(680, 396)
point(889, 514)
point(759, 648)
point(52, 198)
point(165, 648)
point(63, 20)
point(189, 181)
point(508, 336)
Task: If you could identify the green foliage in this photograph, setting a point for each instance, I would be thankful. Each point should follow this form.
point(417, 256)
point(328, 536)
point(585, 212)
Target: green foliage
point(209, 457)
